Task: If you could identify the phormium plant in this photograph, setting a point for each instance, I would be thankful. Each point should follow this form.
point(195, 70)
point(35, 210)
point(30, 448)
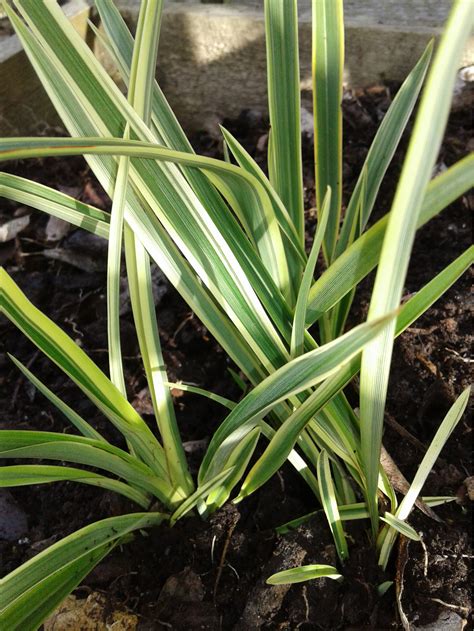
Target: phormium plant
point(231, 241)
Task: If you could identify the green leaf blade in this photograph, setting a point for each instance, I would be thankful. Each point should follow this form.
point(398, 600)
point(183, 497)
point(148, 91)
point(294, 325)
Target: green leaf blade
point(363, 255)
point(329, 503)
point(281, 30)
point(79, 423)
point(299, 319)
point(383, 148)
point(59, 347)
point(328, 66)
point(304, 573)
point(296, 376)
point(24, 475)
point(67, 562)
point(401, 527)
point(417, 168)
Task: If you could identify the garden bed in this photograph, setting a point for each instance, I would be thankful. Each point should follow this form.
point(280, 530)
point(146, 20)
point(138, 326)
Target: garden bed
point(179, 578)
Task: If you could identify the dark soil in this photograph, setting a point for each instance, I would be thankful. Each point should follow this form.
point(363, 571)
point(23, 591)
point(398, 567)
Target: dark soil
point(171, 579)
point(5, 28)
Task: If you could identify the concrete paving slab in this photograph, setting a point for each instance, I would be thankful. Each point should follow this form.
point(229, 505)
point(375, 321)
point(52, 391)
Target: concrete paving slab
point(212, 63)
point(212, 57)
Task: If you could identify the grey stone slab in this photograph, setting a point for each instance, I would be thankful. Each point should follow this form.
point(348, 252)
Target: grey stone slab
point(212, 57)
point(212, 64)
point(425, 13)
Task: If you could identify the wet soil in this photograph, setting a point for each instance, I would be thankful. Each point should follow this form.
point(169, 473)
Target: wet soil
point(178, 578)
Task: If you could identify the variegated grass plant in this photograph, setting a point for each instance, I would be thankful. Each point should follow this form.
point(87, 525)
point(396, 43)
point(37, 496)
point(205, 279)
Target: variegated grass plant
point(231, 241)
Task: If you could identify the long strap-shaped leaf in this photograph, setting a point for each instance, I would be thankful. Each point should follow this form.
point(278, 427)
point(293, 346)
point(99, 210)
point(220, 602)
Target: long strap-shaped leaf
point(96, 221)
point(79, 423)
point(246, 161)
point(58, 346)
point(283, 75)
point(64, 447)
point(382, 150)
point(143, 68)
point(418, 165)
point(297, 375)
point(24, 591)
point(257, 320)
point(430, 291)
point(298, 330)
point(286, 436)
point(82, 117)
point(120, 44)
point(283, 441)
point(363, 255)
point(194, 297)
point(328, 66)
point(25, 475)
point(329, 503)
point(336, 319)
point(54, 202)
point(169, 133)
point(114, 256)
point(138, 260)
point(102, 105)
point(452, 418)
point(375, 166)
point(30, 609)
